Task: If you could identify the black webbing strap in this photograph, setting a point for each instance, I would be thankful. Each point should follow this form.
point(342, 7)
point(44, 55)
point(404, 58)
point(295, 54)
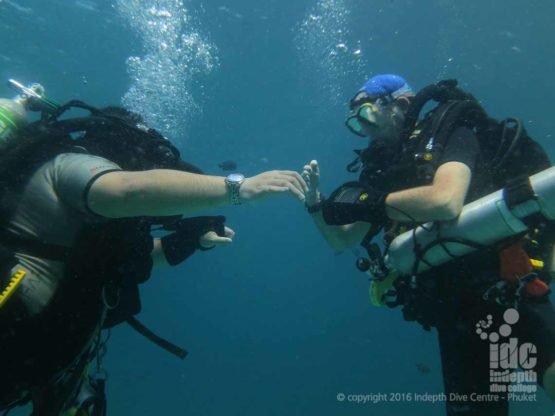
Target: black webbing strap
point(519, 191)
point(161, 342)
point(34, 248)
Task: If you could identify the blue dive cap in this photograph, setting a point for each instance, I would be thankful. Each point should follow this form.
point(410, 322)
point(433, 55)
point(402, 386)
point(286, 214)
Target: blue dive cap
point(386, 84)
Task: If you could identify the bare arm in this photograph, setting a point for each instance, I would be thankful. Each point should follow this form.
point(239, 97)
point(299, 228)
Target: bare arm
point(442, 200)
point(155, 192)
point(162, 192)
point(341, 237)
point(338, 237)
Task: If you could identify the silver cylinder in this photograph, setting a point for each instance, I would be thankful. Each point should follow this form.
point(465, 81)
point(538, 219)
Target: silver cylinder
point(485, 221)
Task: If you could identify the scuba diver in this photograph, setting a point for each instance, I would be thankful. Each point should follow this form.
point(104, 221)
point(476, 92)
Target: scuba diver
point(465, 207)
point(80, 200)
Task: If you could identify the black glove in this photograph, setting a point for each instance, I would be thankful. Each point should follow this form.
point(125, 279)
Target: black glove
point(355, 201)
point(179, 245)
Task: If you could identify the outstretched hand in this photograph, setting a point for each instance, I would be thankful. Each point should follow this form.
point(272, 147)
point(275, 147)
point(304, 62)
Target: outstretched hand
point(211, 239)
point(271, 183)
point(311, 175)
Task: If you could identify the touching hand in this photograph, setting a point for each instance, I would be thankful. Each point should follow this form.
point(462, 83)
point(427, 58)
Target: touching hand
point(211, 239)
point(194, 233)
point(311, 175)
point(273, 182)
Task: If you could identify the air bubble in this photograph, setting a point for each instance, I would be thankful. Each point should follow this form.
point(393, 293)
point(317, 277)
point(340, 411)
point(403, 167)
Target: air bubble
point(324, 47)
point(175, 60)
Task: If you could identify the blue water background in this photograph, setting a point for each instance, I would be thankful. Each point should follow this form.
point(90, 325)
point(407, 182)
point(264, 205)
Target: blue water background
point(279, 324)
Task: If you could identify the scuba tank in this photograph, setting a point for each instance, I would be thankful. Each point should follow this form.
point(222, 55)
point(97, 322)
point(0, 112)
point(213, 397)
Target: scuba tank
point(13, 112)
point(482, 223)
point(13, 115)
point(493, 219)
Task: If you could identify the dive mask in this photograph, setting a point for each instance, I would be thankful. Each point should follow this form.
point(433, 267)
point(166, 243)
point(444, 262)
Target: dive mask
point(365, 111)
point(364, 116)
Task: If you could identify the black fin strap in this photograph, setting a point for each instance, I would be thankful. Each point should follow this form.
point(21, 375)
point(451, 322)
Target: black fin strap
point(161, 342)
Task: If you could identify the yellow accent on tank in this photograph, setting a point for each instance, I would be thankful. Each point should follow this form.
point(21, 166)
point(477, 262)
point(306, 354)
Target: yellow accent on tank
point(363, 197)
point(379, 288)
point(14, 282)
point(536, 264)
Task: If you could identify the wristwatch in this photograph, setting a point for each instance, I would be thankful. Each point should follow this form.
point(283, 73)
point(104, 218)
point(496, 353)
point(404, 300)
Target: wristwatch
point(233, 183)
point(317, 207)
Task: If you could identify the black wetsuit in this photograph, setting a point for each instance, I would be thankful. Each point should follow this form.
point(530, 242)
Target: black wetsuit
point(450, 298)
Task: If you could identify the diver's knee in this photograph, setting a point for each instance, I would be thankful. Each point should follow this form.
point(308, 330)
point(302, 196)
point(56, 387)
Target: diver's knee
point(549, 381)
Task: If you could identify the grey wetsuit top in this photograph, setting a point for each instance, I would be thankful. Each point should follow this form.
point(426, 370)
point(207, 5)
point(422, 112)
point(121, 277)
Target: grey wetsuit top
point(53, 208)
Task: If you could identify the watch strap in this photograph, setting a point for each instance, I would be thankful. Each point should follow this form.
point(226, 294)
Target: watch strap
point(317, 207)
point(233, 189)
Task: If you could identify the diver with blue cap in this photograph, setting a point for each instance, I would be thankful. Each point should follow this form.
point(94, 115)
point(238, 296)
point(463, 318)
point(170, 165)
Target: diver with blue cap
point(465, 205)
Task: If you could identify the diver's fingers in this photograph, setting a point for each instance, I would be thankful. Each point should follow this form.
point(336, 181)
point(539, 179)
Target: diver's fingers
point(210, 239)
point(229, 232)
point(296, 179)
point(285, 187)
point(293, 181)
point(209, 236)
point(312, 171)
point(272, 182)
point(314, 166)
point(221, 241)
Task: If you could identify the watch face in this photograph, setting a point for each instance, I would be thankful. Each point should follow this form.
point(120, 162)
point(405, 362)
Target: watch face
point(235, 177)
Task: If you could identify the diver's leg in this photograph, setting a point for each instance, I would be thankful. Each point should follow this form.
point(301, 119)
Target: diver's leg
point(548, 381)
point(537, 326)
point(53, 398)
point(47, 401)
point(465, 366)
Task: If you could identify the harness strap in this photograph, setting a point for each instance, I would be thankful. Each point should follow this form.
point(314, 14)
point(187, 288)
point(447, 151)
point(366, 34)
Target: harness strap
point(519, 192)
point(161, 342)
point(34, 248)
